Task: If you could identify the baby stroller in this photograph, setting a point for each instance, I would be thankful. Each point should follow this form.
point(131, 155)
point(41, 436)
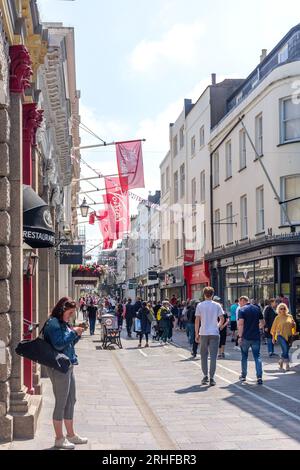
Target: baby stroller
point(156, 331)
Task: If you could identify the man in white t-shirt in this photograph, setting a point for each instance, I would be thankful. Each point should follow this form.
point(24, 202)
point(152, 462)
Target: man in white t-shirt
point(209, 318)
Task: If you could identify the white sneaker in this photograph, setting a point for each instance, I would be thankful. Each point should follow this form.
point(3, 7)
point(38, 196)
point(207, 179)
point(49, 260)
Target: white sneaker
point(77, 439)
point(63, 443)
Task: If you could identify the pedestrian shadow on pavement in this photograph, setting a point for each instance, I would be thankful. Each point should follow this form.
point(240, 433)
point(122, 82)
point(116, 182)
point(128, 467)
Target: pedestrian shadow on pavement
point(193, 389)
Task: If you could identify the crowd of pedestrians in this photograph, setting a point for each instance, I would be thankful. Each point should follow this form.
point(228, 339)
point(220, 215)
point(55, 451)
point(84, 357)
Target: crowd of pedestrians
point(206, 323)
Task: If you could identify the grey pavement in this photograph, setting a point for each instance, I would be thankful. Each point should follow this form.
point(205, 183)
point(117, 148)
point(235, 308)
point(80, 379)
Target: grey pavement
point(152, 399)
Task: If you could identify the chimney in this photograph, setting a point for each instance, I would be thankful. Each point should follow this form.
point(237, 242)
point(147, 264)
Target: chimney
point(213, 79)
point(263, 55)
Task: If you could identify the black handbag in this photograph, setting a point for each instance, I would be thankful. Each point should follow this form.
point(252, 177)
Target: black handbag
point(39, 350)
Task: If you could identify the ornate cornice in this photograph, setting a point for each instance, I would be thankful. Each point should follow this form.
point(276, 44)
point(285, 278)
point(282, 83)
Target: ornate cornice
point(32, 120)
point(20, 69)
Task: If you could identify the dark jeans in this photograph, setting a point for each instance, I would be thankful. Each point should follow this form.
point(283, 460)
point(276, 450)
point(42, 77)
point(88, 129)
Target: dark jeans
point(165, 333)
point(190, 331)
point(284, 348)
point(129, 325)
point(92, 325)
point(170, 331)
point(255, 347)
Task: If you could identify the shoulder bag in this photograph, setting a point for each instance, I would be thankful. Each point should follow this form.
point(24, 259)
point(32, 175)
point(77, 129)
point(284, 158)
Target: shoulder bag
point(39, 350)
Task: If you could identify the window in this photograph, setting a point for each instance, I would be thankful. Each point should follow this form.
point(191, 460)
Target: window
point(260, 210)
point(182, 181)
point(181, 137)
point(290, 189)
point(167, 179)
point(163, 188)
point(168, 252)
point(202, 186)
point(259, 134)
point(216, 177)
point(229, 222)
point(175, 146)
point(228, 157)
point(202, 137)
point(203, 234)
point(244, 218)
point(290, 120)
point(194, 191)
point(243, 161)
point(283, 54)
point(193, 145)
point(176, 186)
point(217, 228)
point(194, 237)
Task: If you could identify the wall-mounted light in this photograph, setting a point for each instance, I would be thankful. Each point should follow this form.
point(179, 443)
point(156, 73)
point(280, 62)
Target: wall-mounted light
point(30, 260)
point(84, 208)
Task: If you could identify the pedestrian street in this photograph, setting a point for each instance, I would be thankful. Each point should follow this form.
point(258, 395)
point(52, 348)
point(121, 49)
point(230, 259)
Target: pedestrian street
point(137, 398)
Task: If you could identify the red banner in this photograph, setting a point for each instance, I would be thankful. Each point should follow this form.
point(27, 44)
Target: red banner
point(104, 224)
point(189, 256)
point(117, 207)
point(130, 164)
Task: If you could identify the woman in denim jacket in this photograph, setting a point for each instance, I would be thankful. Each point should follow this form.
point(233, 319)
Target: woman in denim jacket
point(62, 338)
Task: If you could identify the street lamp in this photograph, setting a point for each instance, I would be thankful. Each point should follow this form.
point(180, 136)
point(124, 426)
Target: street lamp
point(154, 247)
point(84, 208)
point(30, 260)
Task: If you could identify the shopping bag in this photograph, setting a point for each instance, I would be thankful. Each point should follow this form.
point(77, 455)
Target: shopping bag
point(137, 325)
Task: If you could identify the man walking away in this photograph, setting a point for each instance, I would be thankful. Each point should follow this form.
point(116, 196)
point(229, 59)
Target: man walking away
point(249, 323)
point(129, 317)
point(92, 313)
point(209, 318)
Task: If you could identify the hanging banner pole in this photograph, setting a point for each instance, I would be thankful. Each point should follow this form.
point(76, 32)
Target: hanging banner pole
point(106, 144)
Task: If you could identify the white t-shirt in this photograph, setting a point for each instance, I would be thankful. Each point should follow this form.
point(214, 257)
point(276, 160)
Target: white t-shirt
point(209, 311)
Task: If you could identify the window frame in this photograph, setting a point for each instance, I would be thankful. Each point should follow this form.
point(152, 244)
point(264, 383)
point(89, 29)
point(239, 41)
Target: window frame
point(202, 187)
point(244, 217)
point(242, 150)
point(216, 179)
point(229, 227)
point(283, 139)
point(259, 138)
point(202, 136)
point(260, 209)
point(228, 159)
point(283, 197)
point(176, 187)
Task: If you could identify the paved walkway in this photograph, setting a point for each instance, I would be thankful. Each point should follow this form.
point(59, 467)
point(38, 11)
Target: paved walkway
point(151, 399)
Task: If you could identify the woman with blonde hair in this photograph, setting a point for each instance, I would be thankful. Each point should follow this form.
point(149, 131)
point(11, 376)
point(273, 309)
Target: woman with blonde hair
point(283, 328)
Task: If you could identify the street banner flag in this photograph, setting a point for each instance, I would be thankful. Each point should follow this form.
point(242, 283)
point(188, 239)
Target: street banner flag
point(102, 217)
point(130, 165)
point(189, 256)
point(92, 218)
point(118, 208)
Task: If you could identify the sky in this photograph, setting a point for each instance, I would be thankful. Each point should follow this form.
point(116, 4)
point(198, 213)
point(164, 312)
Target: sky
point(137, 60)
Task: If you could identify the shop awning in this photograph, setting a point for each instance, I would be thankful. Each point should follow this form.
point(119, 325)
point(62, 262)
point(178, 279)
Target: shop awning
point(37, 222)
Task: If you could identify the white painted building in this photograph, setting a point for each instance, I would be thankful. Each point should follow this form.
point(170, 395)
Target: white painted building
point(256, 245)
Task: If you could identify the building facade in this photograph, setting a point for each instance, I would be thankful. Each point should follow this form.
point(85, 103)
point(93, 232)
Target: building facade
point(31, 200)
point(256, 238)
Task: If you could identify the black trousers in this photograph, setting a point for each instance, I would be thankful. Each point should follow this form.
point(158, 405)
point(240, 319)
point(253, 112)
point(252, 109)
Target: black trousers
point(129, 322)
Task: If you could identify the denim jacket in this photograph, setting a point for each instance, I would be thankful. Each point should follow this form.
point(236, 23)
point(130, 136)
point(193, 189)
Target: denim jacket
point(61, 337)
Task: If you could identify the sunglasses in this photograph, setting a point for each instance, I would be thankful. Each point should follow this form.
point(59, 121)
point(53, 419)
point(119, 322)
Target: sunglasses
point(282, 308)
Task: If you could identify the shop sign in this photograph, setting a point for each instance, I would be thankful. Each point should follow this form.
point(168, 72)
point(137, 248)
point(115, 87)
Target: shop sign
point(152, 276)
point(71, 254)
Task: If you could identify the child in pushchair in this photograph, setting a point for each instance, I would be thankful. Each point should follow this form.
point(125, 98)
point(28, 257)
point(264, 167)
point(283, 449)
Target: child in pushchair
point(156, 331)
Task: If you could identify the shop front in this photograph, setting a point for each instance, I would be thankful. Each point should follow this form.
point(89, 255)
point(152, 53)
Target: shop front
point(172, 284)
point(273, 268)
point(196, 278)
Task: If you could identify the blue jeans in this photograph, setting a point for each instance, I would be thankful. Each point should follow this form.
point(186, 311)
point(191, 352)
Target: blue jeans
point(270, 346)
point(284, 347)
point(92, 325)
point(190, 332)
point(255, 347)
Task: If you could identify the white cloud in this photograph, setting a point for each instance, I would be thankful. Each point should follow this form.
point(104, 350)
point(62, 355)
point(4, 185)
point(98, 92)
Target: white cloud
point(178, 46)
